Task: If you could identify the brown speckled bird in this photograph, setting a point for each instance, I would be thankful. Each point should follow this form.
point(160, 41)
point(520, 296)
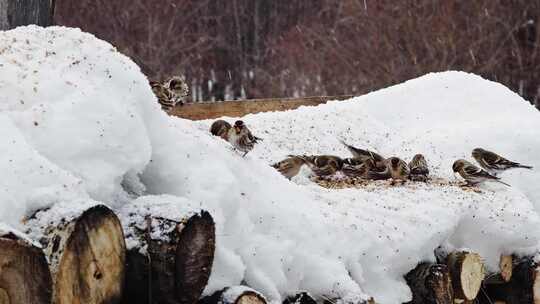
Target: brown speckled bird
point(399, 170)
point(418, 167)
point(472, 174)
point(323, 165)
point(362, 154)
point(290, 166)
point(178, 88)
point(354, 167)
point(241, 138)
point(494, 163)
point(220, 128)
point(163, 95)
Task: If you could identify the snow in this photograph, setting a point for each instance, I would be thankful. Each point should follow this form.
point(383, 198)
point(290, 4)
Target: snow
point(79, 126)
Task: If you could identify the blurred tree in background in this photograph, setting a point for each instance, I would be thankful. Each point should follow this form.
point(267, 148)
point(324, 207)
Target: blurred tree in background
point(281, 48)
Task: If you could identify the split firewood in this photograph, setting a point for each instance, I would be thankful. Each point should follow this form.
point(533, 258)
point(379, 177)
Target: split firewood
point(85, 251)
point(24, 273)
point(467, 273)
point(430, 284)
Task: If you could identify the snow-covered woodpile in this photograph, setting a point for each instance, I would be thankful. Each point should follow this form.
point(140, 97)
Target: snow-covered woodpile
point(106, 199)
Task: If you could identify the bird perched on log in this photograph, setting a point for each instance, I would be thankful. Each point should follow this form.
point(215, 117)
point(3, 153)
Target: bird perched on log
point(220, 128)
point(494, 163)
point(178, 88)
point(163, 95)
point(323, 165)
point(364, 154)
point(241, 138)
point(472, 174)
point(418, 168)
point(399, 170)
point(290, 166)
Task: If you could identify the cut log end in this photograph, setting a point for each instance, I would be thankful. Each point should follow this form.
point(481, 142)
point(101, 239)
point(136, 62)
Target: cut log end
point(467, 271)
point(24, 273)
point(87, 257)
point(430, 283)
point(194, 257)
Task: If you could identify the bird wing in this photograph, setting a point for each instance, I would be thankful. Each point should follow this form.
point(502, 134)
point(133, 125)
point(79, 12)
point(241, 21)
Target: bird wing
point(477, 172)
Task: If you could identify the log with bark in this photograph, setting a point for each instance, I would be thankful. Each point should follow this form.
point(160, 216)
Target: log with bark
point(24, 273)
point(504, 274)
point(85, 251)
point(523, 287)
point(467, 273)
point(234, 295)
point(15, 13)
point(172, 259)
point(430, 284)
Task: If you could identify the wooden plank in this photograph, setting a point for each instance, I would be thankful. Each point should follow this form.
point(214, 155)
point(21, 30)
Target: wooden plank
point(239, 108)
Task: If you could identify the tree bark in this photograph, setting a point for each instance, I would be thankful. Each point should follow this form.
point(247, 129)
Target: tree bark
point(86, 256)
point(430, 284)
point(24, 273)
point(234, 295)
point(174, 269)
point(15, 13)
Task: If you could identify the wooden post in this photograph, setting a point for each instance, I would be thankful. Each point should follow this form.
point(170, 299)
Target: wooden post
point(14, 13)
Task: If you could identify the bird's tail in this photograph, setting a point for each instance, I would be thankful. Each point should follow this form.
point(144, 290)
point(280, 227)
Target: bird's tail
point(500, 181)
point(524, 166)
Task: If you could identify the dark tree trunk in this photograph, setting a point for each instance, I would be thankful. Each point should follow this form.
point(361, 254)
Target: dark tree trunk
point(15, 13)
point(430, 284)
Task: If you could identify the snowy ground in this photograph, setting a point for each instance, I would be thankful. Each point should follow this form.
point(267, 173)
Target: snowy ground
point(79, 123)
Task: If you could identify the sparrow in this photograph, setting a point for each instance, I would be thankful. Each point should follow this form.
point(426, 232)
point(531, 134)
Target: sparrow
point(399, 169)
point(323, 165)
point(494, 163)
point(290, 166)
point(220, 128)
point(377, 171)
point(364, 154)
point(178, 88)
point(163, 94)
point(241, 138)
point(472, 174)
point(418, 168)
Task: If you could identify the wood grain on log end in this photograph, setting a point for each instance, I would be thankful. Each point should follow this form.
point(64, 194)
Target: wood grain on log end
point(505, 267)
point(24, 273)
point(467, 272)
point(194, 257)
point(91, 259)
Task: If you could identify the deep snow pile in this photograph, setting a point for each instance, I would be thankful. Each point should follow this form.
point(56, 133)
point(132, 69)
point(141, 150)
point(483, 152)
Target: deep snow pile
point(78, 122)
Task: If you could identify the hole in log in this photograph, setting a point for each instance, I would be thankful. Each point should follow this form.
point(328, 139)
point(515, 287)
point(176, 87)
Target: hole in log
point(24, 273)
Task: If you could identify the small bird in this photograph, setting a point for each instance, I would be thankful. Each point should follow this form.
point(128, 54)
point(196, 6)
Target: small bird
point(494, 163)
point(472, 174)
point(178, 88)
point(163, 95)
point(364, 154)
point(323, 165)
point(418, 167)
point(377, 171)
point(220, 128)
point(241, 138)
point(399, 170)
point(354, 167)
point(290, 166)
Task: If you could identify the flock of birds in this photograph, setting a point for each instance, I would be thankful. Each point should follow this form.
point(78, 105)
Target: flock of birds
point(369, 165)
point(170, 92)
